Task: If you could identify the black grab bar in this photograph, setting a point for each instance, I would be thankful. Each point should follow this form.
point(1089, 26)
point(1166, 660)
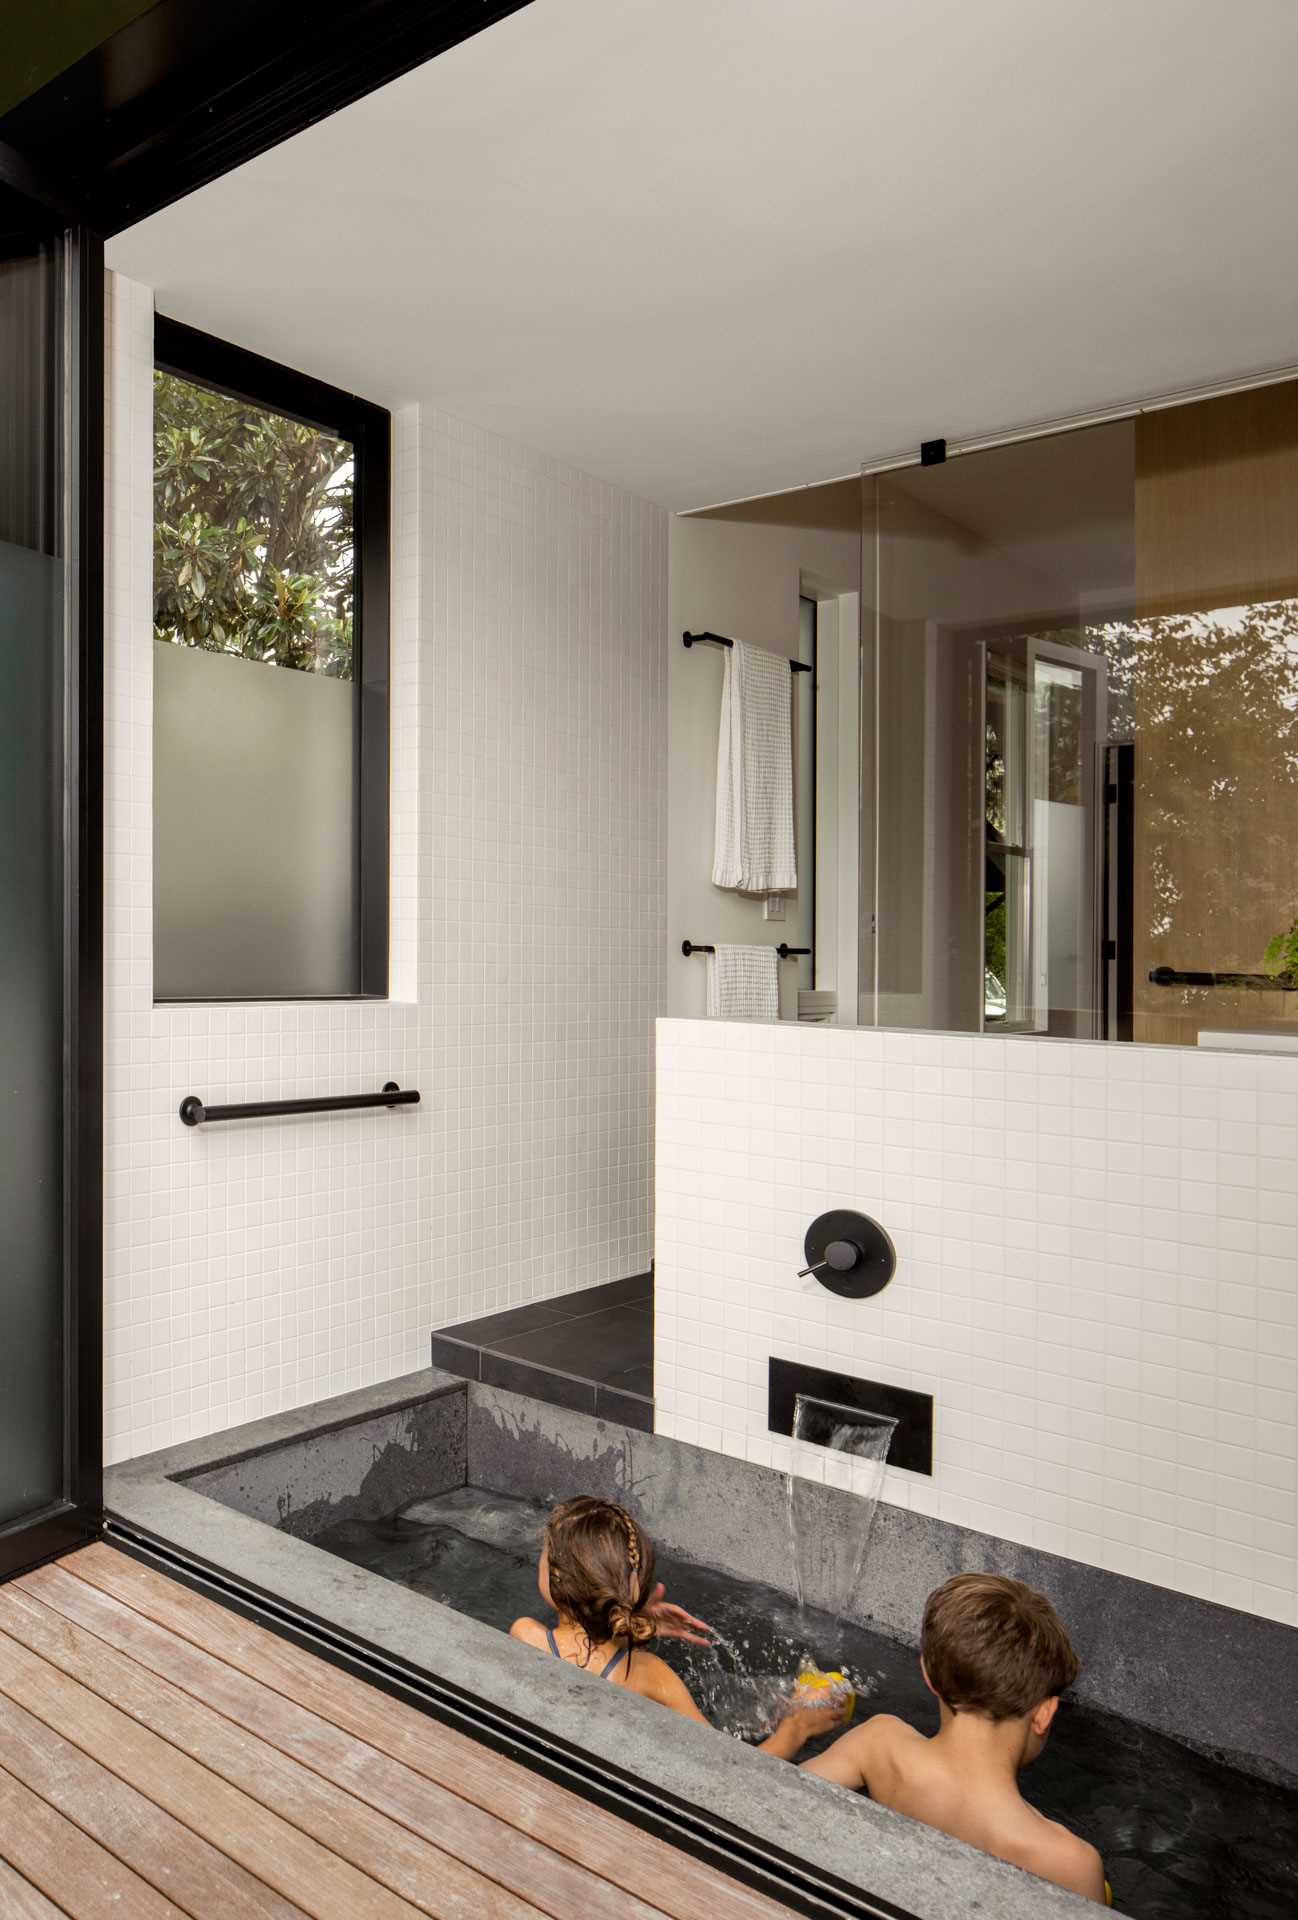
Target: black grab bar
point(784, 951)
point(719, 640)
point(195, 1114)
point(1253, 982)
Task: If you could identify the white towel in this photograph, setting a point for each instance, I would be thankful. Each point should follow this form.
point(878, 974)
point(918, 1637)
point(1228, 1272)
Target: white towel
point(743, 984)
point(754, 836)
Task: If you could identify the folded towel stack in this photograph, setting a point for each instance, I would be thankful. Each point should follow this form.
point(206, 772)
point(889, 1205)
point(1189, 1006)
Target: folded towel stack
point(817, 1006)
point(743, 984)
point(754, 850)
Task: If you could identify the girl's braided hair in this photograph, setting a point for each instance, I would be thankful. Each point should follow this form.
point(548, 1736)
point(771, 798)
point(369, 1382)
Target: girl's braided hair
point(601, 1570)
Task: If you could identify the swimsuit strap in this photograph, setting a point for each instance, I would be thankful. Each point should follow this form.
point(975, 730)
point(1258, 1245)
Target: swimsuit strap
point(623, 1653)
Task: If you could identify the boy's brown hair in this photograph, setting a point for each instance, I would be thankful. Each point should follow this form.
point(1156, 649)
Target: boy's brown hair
point(994, 1646)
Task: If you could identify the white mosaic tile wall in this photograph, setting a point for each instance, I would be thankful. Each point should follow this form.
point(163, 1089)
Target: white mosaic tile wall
point(1097, 1278)
point(543, 869)
point(253, 1269)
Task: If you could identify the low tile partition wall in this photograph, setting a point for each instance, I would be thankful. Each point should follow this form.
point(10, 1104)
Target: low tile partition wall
point(1097, 1279)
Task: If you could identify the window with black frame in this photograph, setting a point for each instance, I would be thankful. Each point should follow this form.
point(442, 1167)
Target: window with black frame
point(270, 675)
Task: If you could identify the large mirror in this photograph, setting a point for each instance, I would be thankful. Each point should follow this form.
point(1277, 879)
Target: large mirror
point(1045, 771)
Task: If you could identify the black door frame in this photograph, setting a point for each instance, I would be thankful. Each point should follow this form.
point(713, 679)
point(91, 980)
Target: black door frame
point(76, 1515)
point(84, 934)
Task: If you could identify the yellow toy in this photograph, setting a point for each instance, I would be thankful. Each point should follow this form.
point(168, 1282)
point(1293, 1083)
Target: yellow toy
point(813, 1684)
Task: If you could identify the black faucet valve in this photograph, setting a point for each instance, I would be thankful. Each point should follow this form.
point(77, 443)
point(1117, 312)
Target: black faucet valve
point(850, 1254)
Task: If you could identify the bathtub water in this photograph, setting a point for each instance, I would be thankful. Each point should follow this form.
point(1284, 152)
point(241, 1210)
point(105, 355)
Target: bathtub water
point(1184, 1837)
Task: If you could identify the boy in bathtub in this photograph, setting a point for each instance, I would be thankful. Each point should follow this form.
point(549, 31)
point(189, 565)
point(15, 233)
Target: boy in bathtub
point(997, 1657)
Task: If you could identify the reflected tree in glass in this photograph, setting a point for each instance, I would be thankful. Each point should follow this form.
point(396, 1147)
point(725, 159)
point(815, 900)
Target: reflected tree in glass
point(1214, 702)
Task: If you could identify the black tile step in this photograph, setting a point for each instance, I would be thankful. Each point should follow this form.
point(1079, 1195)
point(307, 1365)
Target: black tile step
point(591, 1350)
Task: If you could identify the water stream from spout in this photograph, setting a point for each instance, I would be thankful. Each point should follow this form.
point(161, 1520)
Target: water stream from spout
point(833, 1446)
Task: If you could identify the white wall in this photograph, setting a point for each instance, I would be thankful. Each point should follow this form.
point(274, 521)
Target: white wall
point(1097, 1278)
point(542, 870)
point(256, 1267)
point(741, 578)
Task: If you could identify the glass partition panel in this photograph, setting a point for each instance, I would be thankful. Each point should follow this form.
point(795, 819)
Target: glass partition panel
point(1082, 752)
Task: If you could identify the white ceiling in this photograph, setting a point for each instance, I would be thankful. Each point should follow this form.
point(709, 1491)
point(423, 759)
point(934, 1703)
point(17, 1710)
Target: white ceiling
point(711, 248)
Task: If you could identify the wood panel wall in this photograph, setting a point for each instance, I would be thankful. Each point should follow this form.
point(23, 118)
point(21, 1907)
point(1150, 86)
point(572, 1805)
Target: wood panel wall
point(1216, 527)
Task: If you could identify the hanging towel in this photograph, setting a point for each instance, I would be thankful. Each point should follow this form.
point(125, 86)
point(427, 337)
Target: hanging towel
point(743, 984)
point(754, 836)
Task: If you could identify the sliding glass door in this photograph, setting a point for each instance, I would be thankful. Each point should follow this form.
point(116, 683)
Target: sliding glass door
point(51, 343)
point(1045, 707)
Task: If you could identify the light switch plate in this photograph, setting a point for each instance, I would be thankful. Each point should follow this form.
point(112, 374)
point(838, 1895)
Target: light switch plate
point(773, 907)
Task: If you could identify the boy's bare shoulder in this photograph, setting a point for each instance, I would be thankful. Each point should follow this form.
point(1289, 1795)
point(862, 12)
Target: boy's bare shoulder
point(886, 1729)
point(1067, 1859)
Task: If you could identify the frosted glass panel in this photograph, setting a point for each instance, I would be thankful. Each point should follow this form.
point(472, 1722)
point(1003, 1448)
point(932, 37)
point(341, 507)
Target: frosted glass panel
point(31, 1030)
point(254, 855)
point(32, 871)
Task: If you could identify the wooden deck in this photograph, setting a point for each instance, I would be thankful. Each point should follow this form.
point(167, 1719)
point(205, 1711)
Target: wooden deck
point(162, 1756)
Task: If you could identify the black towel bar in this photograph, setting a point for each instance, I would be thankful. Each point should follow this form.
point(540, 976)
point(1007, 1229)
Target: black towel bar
point(719, 640)
point(784, 951)
point(195, 1114)
point(1251, 982)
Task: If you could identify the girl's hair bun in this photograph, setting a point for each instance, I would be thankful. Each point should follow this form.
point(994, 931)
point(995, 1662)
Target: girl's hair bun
point(601, 1569)
point(628, 1623)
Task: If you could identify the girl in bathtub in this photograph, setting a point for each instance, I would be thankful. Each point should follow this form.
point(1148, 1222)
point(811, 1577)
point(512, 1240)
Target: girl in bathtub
point(597, 1573)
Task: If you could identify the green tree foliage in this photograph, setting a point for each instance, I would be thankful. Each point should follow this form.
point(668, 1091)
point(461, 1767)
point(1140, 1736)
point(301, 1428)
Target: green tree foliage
point(1211, 700)
point(1216, 695)
point(1281, 957)
point(253, 532)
